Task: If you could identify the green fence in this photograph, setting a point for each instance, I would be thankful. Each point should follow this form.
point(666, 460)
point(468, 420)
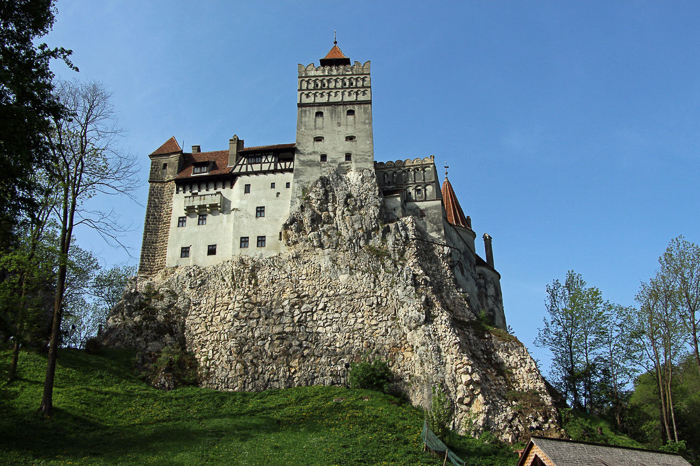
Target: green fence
point(431, 441)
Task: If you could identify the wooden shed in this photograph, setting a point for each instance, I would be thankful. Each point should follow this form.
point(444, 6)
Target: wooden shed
point(542, 451)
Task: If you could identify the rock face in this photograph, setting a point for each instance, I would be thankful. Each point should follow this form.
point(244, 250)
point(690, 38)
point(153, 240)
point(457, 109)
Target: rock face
point(349, 288)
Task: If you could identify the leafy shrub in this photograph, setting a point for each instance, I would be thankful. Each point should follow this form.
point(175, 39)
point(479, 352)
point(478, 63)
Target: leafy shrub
point(371, 375)
point(440, 414)
point(171, 368)
point(93, 345)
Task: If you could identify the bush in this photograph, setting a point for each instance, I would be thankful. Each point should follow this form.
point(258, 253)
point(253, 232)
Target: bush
point(371, 376)
point(93, 345)
point(439, 415)
point(171, 368)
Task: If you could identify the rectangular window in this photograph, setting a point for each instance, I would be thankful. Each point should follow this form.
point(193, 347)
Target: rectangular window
point(272, 185)
point(288, 184)
point(181, 221)
point(211, 250)
point(244, 241)
point(260, 211)
point(185, 251)
point(349, 138)
point(200, 168)
point(348, 157)
point(246, 189)
point(324, 158)
point(165, 166)
point(261, 241)
point(202, 220)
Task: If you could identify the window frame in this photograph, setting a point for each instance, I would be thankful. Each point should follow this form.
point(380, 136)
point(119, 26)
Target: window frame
point(182, 222)
point(211, 250)
point(202, 219)
point(184, 252)
point(260, 211)
point(261, 241)
point(244, 243)
point(246, 189)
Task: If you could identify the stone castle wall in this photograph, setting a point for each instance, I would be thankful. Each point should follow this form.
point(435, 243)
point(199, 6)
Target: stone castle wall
point(154, 247)
point(348, 288)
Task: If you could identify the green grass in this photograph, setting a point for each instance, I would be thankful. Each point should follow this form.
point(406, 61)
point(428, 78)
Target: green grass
point(105, 414)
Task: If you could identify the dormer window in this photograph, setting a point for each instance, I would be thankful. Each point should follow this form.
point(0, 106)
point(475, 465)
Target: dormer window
point(351, 112)
point(319, 114)
point(200, 168)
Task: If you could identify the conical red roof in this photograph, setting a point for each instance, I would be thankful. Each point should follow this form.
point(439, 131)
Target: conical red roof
point(335, 52)
point(335, 57)
point(455, 215)
point(169, 147)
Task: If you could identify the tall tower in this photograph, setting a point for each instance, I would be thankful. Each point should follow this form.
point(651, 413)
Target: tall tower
point(334, 119)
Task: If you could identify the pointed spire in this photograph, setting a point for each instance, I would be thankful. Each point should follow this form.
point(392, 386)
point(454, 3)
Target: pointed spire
point(455, 215)
point(169, 147)
point(335, 56)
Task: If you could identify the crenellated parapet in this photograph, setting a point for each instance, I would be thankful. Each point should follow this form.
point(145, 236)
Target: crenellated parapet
point(334, 84)
point(416, 177)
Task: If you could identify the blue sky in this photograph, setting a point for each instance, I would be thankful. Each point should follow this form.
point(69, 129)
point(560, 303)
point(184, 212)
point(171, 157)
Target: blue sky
point(571, 128)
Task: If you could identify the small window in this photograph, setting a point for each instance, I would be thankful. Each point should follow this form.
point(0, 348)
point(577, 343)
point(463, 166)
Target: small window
point(261, 241)
point(272, 185)
point(202, 168)
point(181, 221)
point(202, 220)
point(260, 211)
point(351, 112)
point(348, 157)
point(280, 236)
point(185, 251)
point(246, 189)
point(318, 139)
point(255, 159)
point(349, 138)
point(211, 250)
point(288, 185)
point(244, 241)
point(319, 114)
point(165, 166)
point(324, 158)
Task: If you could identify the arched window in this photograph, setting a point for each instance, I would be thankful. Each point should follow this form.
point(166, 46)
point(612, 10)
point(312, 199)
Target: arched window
point(319, 114)
point(351, 112)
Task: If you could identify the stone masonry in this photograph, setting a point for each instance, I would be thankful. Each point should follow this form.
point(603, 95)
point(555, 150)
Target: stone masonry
point(350, 286)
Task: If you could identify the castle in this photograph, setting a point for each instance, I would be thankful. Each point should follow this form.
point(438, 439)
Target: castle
point(207, 207)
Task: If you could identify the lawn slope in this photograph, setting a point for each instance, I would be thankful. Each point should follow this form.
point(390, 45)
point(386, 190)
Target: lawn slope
point(105, 415)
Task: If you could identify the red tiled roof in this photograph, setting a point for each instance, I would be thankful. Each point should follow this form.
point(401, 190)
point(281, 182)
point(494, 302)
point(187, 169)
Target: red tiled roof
point(455, 215)
point(219, 158)
point(335, 52)
point(169, 147)
point(272, 147)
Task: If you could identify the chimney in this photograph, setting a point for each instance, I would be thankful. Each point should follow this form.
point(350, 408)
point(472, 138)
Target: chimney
point(196, 149)
point(489, 250)
point(234, 146)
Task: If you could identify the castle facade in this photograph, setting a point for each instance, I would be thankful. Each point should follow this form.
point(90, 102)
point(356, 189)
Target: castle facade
point(207, 207)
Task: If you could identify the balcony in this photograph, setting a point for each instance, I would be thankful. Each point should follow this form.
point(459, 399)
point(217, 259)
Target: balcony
point(203, 203)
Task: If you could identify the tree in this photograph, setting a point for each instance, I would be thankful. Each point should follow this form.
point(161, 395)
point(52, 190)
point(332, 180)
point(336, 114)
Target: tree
point(680, 266)
point(660, 341)
point(88, 164)
point(574, 334)
point(27, 105)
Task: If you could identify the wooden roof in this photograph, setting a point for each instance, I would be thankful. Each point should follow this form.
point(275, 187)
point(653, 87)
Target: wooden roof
point(558, 452)
point(455, 215)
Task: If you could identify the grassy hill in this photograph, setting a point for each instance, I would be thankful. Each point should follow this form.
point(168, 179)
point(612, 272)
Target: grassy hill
point(106, 414)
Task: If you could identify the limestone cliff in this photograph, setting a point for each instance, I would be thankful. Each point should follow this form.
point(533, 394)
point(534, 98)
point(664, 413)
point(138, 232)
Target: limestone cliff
point(348, 287)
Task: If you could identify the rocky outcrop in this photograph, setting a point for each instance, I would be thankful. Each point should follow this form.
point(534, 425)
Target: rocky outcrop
point(348, 288)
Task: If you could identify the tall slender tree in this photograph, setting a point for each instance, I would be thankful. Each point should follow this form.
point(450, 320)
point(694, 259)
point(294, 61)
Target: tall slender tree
point(574, 335)
point(680, 265)
point(88, 164)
